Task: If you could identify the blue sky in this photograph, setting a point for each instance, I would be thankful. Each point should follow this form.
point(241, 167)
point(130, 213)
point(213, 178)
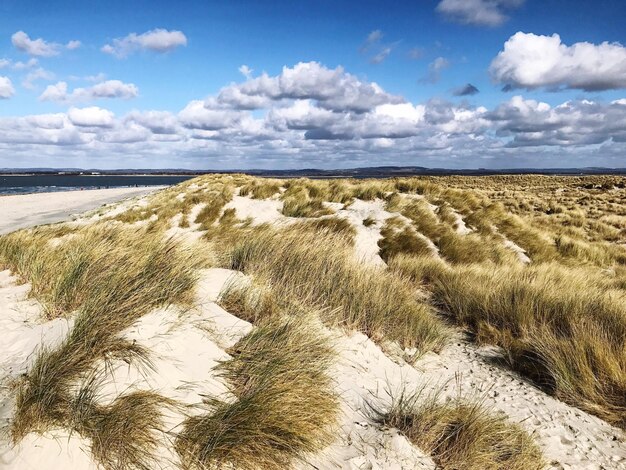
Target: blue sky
point(347, 83)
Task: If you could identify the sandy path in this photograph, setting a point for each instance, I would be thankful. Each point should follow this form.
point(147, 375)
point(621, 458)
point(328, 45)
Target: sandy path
point(27, 210)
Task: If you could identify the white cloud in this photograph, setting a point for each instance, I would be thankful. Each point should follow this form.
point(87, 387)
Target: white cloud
point(158, 122)
point(156, 40)
point(91, 117)
point(374, 36)
point(99, 77)
point(331, 88)
point(197, 115)
point(8, 63)
point(108, 89)
point(233, 97)
point(57, 93)
point(29, 64)
point(48, 130)
point(402, 111)
point(111, 89)
point(73, 45)
point(39, 47)
point(302, 115)
point(36, 75)
point(246, 71)
point(477, 12)
point(305, 116)
point(573, 123)
point(47, 121)
point(533, 61)
point(6, 88)
point(127, 134)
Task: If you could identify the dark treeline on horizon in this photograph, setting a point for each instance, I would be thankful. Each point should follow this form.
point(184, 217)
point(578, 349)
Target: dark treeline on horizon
point(366, 172)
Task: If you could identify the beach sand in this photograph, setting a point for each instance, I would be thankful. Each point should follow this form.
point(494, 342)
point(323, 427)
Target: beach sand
point(28, 210)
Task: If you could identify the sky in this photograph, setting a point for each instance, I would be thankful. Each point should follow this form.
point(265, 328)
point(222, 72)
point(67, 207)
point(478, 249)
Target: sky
point(241, 84)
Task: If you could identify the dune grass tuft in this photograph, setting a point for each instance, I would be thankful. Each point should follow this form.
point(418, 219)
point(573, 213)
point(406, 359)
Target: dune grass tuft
point(260, 189)
point(213, 208)
point(293, 207)
point(111, 277)
point(284, 406)
point(369, 221)
point(124, 434)
point(251, 301)
point(462, 433)
point(320, 269)
point(563, 327)
point(336, 225)
point(399, 238)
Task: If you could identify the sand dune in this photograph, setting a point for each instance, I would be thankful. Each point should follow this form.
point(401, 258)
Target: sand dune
point(187, 343)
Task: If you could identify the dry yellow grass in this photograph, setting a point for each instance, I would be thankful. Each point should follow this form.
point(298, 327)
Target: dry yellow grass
point(461, 433)
point(319, 268)
point(111, 277)
point(561, 326)
point(284, 404)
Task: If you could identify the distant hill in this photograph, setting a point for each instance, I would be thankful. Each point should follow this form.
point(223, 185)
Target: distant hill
point(365, 172)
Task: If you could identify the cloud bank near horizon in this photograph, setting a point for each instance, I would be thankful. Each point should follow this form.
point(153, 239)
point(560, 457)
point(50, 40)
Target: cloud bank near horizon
point(312, 115)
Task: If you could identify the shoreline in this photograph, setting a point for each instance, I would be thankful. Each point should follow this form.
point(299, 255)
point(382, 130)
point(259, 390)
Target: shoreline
point(71, 189)
point(102, 174)
point(22, 211)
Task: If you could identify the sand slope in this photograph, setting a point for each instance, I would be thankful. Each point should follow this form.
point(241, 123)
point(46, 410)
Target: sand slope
point(187, 345)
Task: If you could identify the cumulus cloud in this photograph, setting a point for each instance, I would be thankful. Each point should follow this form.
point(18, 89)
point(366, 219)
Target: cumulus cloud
point(157, 122)
point(19, 65)
point(39, 47)
point(6, 88)
point(304, 117)
point(333, 89)
point(533, 123)
point(198, 115)
point(477, 12)
point(534, 61)
point(108, 89)
point(156, 40)
point(92, 116)
point(466, 90)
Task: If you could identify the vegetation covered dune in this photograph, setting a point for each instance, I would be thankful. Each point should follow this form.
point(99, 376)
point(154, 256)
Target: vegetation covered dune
point(237, 322)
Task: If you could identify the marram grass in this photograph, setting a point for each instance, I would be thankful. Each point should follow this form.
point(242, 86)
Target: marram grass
point(461, 433)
